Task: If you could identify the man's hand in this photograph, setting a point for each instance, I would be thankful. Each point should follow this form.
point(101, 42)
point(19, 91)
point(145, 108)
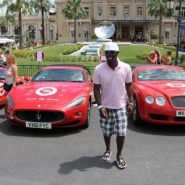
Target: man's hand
point(129, 109)
point(104, 113)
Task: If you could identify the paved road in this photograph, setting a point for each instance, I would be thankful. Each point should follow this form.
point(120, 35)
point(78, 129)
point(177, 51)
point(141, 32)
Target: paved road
point(155, 155)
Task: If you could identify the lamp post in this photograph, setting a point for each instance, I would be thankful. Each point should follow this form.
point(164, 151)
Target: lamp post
point(170, 5)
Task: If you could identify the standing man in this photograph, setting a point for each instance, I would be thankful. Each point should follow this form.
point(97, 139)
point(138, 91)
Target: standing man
point(112, 86)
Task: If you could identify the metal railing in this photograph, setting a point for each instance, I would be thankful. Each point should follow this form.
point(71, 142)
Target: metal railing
point(31, 70)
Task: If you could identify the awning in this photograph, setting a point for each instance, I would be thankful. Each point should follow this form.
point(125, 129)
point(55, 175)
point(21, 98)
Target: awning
point(6, 40)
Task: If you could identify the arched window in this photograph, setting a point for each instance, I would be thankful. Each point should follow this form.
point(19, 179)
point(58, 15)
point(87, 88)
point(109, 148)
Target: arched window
point(3, 30)
point(31, 30)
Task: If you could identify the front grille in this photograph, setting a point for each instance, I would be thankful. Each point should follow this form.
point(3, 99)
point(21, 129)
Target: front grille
point(39, 116)
point(178, 101)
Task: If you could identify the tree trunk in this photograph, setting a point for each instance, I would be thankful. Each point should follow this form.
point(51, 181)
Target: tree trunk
point(160, 28)
point(20, 30)
point(43, 29)
point(75, 30)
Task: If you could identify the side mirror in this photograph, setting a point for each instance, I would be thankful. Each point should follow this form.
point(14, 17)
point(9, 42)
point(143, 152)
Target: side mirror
point(27, 78)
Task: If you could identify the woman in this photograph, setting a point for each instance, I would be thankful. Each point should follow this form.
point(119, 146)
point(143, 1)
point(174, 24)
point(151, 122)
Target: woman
point(11, 73)
point(167, 59)
point(154, 57)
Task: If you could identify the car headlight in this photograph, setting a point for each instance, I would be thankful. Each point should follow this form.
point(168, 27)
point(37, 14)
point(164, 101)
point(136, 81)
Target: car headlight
point(149, 99)
point(10, 101)
point(160, 100)
point(77, 102)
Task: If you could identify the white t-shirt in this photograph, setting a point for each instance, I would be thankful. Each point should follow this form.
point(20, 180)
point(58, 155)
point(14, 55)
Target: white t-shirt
point(113, 92)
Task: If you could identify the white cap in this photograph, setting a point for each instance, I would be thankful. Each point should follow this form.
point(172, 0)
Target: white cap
point(111, 46)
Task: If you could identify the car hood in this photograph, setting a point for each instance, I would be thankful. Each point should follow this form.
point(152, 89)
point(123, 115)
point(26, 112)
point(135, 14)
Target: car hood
point(48, 92)
point(169, 88)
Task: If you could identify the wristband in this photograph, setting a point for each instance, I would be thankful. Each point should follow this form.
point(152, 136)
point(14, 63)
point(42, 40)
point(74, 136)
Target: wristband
point(100, 106)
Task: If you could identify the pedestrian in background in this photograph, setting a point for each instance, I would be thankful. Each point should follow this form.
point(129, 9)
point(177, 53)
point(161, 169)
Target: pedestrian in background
point(154, 57)
point(11, 73)
point(112, 84)
point(101, 54)
point(167, 59)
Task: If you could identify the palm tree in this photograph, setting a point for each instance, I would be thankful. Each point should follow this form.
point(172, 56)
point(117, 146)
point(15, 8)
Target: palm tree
point(74, 10)
point(19, 7)
point(44, 6)
point(158, 8)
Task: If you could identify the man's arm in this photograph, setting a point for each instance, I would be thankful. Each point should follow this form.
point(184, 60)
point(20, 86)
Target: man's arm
point(129, 89)
point(97, 94)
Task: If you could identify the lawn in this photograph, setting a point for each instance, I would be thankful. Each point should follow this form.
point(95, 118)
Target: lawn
point(128, 53)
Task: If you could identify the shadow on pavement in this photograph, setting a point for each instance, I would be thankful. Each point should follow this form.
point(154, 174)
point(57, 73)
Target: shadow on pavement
point(83, 164)
point(11, 130)
point(168, 130)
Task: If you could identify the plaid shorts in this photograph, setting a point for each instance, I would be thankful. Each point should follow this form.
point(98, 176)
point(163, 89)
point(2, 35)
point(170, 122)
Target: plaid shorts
point(116, 124)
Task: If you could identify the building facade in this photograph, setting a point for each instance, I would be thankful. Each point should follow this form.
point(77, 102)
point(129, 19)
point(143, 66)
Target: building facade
point(130, 17)
point(31, 26)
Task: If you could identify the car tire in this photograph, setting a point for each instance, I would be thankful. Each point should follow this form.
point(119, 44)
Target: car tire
point(136, 119)
point(86, 124)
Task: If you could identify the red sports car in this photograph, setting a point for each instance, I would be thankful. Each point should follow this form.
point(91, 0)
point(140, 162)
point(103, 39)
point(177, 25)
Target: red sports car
point(57, 96)
point(159, 94)
point(2, 91)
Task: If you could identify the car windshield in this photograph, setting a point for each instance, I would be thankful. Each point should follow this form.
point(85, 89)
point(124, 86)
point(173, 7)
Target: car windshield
point(65, 75)
point(2, 75)
point(161, 74)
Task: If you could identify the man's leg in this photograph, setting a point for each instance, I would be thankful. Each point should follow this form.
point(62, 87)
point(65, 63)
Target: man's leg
point(120, 163)
point(107, 154)
point(107, 142)
point(120, 142)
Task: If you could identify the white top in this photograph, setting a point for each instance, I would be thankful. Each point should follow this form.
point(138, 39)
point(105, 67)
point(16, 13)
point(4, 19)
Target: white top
point(9, 78)
point(113, 92)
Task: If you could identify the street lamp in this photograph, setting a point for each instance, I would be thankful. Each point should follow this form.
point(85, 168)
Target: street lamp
point(170, 5)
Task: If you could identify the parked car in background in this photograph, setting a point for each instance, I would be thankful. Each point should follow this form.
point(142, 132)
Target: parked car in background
point(159, 94)
point(57, 96)
point(2, 91)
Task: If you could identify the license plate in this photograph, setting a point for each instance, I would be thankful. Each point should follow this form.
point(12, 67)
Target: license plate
point(38, 125)
point(180, 113)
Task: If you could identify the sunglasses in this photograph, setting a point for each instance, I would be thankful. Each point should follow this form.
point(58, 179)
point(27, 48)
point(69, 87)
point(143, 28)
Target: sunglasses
point(111, 52)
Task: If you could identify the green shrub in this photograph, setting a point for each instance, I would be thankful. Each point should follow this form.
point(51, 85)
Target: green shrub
point(23, 53)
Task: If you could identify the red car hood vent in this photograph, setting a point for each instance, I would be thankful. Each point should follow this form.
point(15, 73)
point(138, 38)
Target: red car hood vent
point(172, 88)
point(50, 92)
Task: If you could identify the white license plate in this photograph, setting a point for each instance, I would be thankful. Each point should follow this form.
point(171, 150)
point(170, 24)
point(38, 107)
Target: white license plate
point(38, 125)
point(180, 113)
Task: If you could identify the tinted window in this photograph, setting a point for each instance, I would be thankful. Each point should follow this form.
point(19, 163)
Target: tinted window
point(67, 75)
point(160, 74)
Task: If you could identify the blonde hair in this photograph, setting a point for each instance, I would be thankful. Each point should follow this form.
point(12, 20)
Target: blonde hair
point(11, 58)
